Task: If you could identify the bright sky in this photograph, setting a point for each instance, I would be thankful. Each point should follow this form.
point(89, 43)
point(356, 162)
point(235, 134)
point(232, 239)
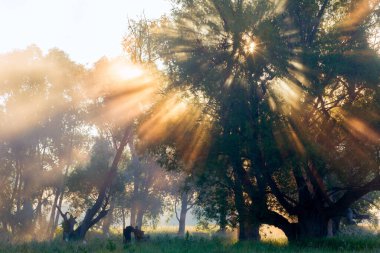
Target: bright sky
point(85, 29)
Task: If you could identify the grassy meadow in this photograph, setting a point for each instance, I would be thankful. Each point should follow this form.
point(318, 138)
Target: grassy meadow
point(167, 244)
point(195, 242)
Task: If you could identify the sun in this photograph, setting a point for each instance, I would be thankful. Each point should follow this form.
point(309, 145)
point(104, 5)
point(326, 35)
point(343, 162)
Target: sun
point(248, 42)
point(125, 71)
point(251, 47)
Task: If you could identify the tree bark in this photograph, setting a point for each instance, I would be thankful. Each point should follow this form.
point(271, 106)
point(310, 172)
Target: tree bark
point(139, 217)
point(182, 215)
point(312, 225)
point(135, 200)
point(50, 227)
point(133, 216)
point(248, 229)
point(60, 193)
point(60, 200)
point(109, 219)
point(223, 218)
point(123, 216)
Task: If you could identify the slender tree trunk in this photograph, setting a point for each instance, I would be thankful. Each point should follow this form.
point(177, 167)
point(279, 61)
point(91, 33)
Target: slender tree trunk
point(15, 188)
point(50, 227)
point(4, 226)
point(109, 219)
point(183, 213)
point(15, 197)
point(139, 217)
point(123, 217)
point(136, 182)
point(38, 219)
point(26, 218)
point(19, 187)
point(222, 221)
point(60, 193)
point(133, 215)
point(60, 200)
point(52, 224)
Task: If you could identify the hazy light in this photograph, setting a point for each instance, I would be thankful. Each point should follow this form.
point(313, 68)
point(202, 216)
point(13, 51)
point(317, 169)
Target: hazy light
point(363, 9)
point(360, 129)
point(177, 119)
point(129, 89)
point(286, 91)
point(126, 71)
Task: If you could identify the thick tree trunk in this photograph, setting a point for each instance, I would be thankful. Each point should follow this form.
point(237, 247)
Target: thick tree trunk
point(336, 225)
point(333, 226)
point(311, 224)
point(80, 232)
point(248, 230)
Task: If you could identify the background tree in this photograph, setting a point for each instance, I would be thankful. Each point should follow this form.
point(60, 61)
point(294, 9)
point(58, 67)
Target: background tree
point(37, 142)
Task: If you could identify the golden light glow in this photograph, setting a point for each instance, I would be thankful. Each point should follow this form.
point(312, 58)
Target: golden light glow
point(360, 128)
point(298, 71)
point(251, 47)
point(177, 120)
point(25, 117)
point(286, 91)
point(127, 89)
point(357, 127)
point(27, 97)
point(361, 12)
point(249, 43)
point(126, 71)
point(296, 141)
